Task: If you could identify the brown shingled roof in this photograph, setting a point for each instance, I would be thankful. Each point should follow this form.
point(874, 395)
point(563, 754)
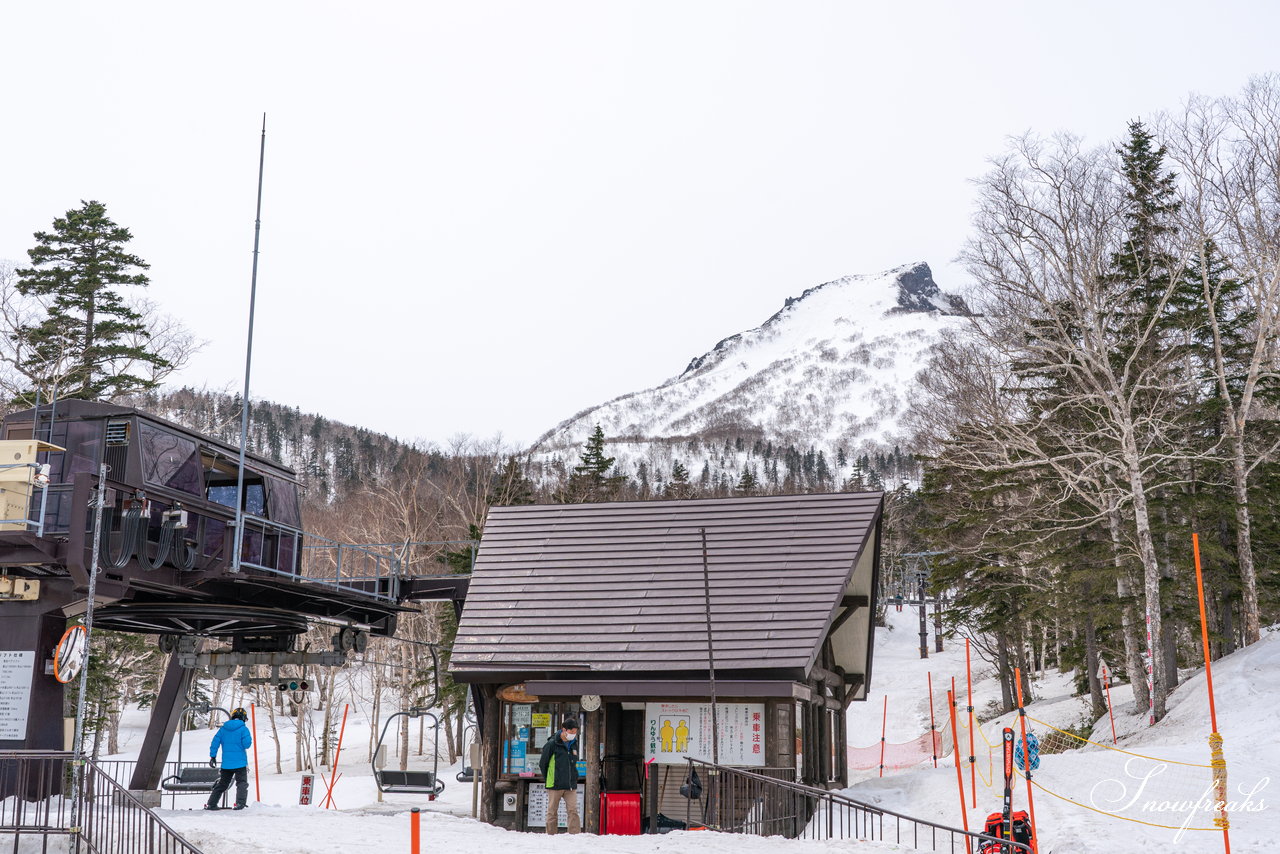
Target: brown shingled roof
point(618, 587)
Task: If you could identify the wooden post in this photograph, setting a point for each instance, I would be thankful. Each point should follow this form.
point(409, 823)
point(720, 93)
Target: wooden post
point(591, 792)
point(491, 746)
point(1217, 760)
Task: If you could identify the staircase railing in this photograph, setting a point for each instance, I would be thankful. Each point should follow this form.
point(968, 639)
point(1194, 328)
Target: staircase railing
point(37, 788)
point(736, 800)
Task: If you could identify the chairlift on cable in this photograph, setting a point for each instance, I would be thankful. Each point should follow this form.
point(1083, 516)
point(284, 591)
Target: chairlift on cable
point(470, 736)
point(418, 782)
point(193, 778)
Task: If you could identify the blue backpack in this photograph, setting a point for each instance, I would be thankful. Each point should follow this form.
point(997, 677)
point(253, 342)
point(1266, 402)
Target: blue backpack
point(1033, 744)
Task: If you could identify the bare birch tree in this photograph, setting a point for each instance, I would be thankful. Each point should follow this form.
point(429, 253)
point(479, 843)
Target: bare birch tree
point(1092, 409)
point(1228, 153)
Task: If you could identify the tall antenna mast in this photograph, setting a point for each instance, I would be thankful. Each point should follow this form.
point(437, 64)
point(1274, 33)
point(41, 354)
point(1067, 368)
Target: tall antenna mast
point(248, 359)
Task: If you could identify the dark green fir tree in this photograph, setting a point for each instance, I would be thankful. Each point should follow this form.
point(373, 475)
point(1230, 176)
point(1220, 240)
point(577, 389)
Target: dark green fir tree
point(91, 344)
point(591, 480)
point(679, 485)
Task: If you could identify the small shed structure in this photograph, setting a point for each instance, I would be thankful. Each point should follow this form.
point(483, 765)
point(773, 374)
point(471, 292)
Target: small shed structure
point(600, 611)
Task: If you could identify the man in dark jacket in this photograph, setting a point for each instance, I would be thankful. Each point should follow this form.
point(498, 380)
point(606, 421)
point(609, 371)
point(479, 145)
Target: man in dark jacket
point(234, 739)
point(559, 766)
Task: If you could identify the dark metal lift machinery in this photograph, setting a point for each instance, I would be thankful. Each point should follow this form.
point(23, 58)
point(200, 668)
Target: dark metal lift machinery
point(165, 563)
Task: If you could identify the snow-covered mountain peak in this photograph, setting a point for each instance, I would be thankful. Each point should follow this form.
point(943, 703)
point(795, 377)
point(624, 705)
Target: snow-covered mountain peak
point(830, 370)
point(907, 289)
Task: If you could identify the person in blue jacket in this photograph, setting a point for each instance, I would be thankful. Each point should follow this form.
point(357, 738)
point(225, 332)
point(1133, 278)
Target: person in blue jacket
point(234, 739)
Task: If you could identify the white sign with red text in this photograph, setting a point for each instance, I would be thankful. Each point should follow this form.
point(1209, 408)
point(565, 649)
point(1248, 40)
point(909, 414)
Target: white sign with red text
point(676, 730)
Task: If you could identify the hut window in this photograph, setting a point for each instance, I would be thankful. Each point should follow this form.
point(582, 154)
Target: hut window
point(526, 727)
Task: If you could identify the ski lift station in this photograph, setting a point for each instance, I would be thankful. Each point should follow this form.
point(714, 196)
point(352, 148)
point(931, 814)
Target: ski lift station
point(632, 616)
point(733, 633)
point(163, 501)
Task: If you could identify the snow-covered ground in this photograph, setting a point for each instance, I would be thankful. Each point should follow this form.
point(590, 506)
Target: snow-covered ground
point(1102, 782)
point(1247, 713)
point(277, 824)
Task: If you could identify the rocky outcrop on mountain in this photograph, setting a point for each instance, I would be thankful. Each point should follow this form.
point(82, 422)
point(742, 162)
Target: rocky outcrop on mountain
point(830, 370)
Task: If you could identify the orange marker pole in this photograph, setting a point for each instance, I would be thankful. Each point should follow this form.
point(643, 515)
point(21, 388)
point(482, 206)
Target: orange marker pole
point(883, 721)
point(253, 722)
point(1026, 760)
point(953, 698)
point(415, 831)
point(933, 727)
point(333, 776)
point(1106, 683)
point(1215, 740)
point(973, 769)
point(964, 813)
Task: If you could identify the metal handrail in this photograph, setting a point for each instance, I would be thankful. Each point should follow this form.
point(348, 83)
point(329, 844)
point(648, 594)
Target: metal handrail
point(116, 822)
point(766, 806)
point(111, 820)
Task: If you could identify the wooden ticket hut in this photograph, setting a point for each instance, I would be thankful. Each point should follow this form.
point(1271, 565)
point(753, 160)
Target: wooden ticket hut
point(599, 611)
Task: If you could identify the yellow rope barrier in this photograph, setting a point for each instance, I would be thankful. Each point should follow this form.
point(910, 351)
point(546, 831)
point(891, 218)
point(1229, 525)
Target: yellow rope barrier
point(1219, 763)
point(1112, 814)
point(1116, 749)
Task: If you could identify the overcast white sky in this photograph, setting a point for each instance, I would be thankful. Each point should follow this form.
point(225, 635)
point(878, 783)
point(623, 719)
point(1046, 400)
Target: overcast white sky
point(483, 217)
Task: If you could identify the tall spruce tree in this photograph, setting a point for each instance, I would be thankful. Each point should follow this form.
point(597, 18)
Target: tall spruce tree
point(748, 484)
point(91, 343)
point(679, 486)
point(591, 480)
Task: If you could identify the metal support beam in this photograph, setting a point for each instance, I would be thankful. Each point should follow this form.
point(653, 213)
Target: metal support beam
point(170, 701)
point(218, 658)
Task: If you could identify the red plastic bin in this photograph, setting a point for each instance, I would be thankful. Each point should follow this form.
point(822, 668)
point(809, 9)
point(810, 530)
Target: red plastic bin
point(620, 813)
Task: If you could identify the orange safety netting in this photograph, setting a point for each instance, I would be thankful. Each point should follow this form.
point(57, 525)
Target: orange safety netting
point(897, 756)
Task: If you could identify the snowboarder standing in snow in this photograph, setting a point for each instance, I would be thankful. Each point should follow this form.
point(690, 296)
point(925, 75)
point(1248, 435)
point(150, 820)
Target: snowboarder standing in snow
point(234, 739)
point(559, 766)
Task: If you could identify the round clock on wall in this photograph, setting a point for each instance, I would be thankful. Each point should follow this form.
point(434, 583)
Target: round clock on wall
point(589, 702)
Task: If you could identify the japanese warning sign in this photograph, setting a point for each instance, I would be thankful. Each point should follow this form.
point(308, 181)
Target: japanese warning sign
point(676, 730)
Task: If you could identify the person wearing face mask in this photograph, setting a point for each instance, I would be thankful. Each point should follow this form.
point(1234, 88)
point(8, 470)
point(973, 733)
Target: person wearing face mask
point(559, 766)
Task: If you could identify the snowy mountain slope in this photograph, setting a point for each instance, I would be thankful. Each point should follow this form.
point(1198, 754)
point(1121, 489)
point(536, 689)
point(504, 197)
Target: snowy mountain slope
point(831, 369)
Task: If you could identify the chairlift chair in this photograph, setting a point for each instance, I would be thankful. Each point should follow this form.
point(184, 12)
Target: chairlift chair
point(416, 782)
point(469, 736)
point(193, 778)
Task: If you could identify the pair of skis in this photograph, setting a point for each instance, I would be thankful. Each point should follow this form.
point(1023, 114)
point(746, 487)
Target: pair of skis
point(1004, 831)
point(1006, 811)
